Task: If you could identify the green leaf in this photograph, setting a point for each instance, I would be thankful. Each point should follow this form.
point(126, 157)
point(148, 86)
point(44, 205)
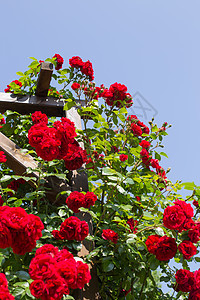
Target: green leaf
point(69, 104)
point(33, 58)
point(22, 275)
point(20, 73)
point(108, 171)
point(5, 178)
point(163, 154)
point(18, 291)
point(188, 185)
point(159, 231)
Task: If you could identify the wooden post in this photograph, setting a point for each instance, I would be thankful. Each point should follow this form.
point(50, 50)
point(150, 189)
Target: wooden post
point(44, 79)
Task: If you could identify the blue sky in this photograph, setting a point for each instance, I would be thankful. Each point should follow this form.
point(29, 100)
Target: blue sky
point(151, 46)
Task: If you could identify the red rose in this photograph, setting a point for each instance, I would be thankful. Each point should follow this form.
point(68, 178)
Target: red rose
point(166, 248)
point(83, 274)
point(186, 207)
point(155, 164)
point(195, 203)
point(90, 199)
point(37, 288)
point(2, 157)
point(55, 288)
point(75, 86)
point(15, 217)
point(173, 217)
point(59, 61)
point(75, 201)
point(136, 129)
point(75, 157)
point(132, 224)
point(22, 242)
point(110, 235)
point(145, 144)
point(37, 133)
point(187, 249)
point(5, 236)
point(47, 249)
point(151, 243)
point(39, 117)
point(63, 255)
point(68, 271)
point(196, 280)
point(193, 235)
point(74, 229)
point(194, 295)
point(3, 280)
point(184, 280)
point(42, 267)
point(5, 295)
point(76, 62)
point(87, 69)
point(123, 157)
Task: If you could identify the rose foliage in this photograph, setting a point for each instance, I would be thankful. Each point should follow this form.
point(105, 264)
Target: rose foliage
point(141, 224)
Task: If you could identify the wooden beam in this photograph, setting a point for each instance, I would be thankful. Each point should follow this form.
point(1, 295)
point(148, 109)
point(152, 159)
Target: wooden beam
point(17, 160)
point(44, 79)
point(28, 104)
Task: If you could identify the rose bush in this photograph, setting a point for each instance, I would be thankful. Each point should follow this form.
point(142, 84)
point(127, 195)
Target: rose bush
point(141, 223)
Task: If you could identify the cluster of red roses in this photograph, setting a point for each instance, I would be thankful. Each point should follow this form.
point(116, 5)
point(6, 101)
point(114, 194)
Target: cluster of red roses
point(2, 157)
point(132, 224)
point(187, 281)
point(8, 89)
point(19, 230)
point(138, 129)
point(110, 235)
point(59, 61)
point(72, 229)
point(85, 67)
point(55, 272)
point(177, 217)
point(116, 95)
point(4, 292)
point(56, 142)
point(77, 200)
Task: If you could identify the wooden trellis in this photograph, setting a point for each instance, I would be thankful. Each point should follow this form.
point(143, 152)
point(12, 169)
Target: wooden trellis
point(19, 162)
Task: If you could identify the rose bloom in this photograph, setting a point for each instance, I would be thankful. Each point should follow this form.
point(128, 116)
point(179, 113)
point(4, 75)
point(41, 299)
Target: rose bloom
point(194, 295)
point(123, 157)
point(75, 86)
point(68, 271)
point(39, 117)
point(42, 267)
point(74, 229)
point(173, 217)
point(110, 235)
point(90, 199)
point(166, 248)
point(37, 288)
point(144, 144)
point(47, 249)
point(3, 280)
point(196, 279)
point(187, 249)
point(76, 62)
point(5, 295)
point(87, 69)
point(59, 61)
point(193, 235)
point(2, 157)
point(151, 243)
point(136, 129)
point(5, 236)
point(75, 200)
point(132, 224)
point(83, 274)
point(195, 203)
point(184, 280)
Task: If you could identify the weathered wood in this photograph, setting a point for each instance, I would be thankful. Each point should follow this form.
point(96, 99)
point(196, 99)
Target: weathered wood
point(17, 160)
point(44, 79)
point(28, 104)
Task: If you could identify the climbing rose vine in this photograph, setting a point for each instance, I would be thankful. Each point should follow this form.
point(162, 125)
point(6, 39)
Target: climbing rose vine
point(125, 235)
